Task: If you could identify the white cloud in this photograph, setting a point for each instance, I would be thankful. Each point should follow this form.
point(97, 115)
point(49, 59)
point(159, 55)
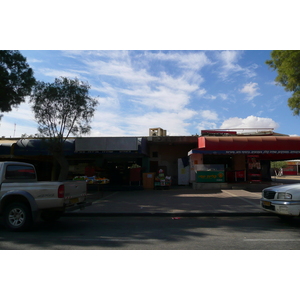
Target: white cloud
point(175, 123)
point(208, 115)
point(194, 60)
point(111, 98)
point(23, 112)
point(107, 102)
point(119, 69)
point(201, 92)
point(34, 60)
point(271, 83)
point(179, 83)
point(18, 121)
point(250, 89)
point(249, 71)
point(61, 73)
point(230, 66)
point(223, 96)
point(249, 122)
point(107, 122)
point(206, 125)
point(82, 55)
point(210, 97)
point(229, 59)
point(207, 118)
point(12, 129)
point(106, 88)
point(159, 98)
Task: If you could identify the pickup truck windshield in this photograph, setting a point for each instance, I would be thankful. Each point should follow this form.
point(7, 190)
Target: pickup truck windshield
point(19, 172)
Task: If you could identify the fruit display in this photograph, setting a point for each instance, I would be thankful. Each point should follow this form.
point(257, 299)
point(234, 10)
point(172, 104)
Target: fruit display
point(92, 180)
point(162, 180)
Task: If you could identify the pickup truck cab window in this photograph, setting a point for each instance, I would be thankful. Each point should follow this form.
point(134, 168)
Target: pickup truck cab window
point(19, 172)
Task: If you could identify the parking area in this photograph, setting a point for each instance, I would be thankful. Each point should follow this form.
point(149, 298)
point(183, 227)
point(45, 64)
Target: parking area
point(180, 200)
point(177, 200)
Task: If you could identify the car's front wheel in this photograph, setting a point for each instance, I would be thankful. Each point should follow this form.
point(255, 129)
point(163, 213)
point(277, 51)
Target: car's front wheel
point(17, 216)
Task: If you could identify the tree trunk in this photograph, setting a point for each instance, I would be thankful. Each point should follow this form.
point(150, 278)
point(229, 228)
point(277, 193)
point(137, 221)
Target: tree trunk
point(55, 167)
point(64, 166)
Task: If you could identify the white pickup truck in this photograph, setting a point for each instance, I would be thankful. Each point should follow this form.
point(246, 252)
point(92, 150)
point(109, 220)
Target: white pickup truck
point(23, 199)
point(283, 200)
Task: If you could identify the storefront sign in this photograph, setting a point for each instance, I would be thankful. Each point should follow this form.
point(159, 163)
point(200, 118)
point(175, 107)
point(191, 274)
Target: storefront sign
point(210, 176)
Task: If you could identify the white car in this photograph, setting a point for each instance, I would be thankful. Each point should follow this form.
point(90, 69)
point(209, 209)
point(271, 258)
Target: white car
point(283, 200)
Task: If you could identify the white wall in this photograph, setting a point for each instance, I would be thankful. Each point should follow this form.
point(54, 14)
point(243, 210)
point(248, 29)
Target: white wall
point(196, 159)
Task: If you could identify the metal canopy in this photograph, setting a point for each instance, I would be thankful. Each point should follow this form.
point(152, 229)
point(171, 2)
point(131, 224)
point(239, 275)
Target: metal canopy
point(272, 147)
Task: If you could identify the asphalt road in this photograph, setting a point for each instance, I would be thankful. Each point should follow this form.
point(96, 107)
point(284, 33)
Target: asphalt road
point(157, 233)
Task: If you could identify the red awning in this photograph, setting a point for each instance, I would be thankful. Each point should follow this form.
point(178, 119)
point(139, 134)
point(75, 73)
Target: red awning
point(250, 143)
point(271, 147)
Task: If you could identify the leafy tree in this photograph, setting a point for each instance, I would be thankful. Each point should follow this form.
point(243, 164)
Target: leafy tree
point(16, 79)
point(62, 108)
point(287, 65)
point(278, 164)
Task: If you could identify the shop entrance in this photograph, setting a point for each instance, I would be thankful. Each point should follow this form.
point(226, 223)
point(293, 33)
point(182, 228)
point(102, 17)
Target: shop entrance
point(118, 171)
point(153, 166)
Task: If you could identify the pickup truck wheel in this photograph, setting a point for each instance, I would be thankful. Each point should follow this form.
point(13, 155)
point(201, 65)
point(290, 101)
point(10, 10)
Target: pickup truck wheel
point(17, 217)
point(51, 216)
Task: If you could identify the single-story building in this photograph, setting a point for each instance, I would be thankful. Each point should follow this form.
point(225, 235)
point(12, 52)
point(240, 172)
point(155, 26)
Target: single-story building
point(240, 158)
point(215, 156)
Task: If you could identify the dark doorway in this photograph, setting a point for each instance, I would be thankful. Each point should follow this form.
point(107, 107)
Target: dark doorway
point(153, 166)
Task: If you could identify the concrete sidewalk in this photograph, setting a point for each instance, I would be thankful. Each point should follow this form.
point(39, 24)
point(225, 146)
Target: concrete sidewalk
point(177, 201)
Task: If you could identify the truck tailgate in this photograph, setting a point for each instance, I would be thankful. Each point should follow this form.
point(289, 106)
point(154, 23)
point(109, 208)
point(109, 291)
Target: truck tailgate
point(75, 189)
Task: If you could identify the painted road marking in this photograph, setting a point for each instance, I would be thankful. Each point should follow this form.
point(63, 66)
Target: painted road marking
point(271, 240)
point(241, 198)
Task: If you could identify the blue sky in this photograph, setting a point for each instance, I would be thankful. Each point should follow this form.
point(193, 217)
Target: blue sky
point(183, 92)
point(189, 67)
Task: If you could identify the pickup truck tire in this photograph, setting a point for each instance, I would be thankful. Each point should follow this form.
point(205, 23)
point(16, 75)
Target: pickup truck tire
point(17, 217)
point(51, 216)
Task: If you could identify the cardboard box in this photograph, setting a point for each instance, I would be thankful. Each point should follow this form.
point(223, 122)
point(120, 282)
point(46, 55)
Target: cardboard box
point(148, 180)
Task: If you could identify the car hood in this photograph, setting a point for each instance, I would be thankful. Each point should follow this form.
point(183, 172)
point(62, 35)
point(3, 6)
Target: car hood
point(284, 188)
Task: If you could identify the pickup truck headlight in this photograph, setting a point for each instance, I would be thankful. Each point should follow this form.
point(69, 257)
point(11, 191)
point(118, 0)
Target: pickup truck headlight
point(284, 196)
